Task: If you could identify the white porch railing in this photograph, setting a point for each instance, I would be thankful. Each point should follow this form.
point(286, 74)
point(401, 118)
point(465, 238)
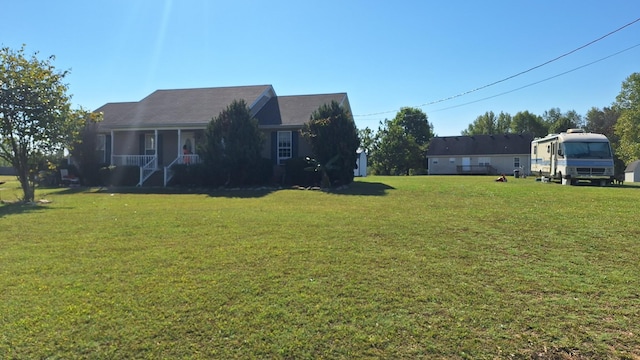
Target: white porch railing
point(132, 160)
point(148, 164)
point(182, 159)
point(147, 170)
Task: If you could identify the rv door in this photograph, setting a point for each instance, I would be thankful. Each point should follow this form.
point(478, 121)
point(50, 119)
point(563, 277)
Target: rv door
point(552, 170)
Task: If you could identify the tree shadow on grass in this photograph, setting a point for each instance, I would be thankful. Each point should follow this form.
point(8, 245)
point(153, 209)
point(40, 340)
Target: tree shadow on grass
point(362, 188)
point(627, 186)
point(221, 192)
point(355, 188)
point(21, 208)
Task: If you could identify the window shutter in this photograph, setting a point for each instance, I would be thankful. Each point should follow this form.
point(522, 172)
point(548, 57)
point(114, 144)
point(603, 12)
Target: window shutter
point(274, 147)
point(294, 143)
point(107, 149)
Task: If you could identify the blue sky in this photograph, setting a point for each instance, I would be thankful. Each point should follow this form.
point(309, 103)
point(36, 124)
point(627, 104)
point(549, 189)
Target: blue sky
point(385, 55)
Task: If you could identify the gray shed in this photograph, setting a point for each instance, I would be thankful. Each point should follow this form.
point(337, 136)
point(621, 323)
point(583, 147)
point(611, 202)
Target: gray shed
point(632, 172)
point(361, 162)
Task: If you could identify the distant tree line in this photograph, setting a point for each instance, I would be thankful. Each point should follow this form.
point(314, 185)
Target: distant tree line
point(552, 121)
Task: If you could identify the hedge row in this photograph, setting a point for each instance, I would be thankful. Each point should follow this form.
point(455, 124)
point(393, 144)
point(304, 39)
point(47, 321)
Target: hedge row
point(296, 171)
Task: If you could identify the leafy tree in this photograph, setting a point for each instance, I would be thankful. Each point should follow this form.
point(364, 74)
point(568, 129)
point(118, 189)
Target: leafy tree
point(488, 124)
point(628, 129)
point(333, 137)
point(551, 116)
point(503, 123)
point(233, 144)
point(559, 122)
point(525, 122)
point(483, 124)
point(629, 96)
point(36, 119)
point(602, 122)
point(391, 148)
point(84, 150)
point(628, 124)
point(367, 139)
point(415, 123)
point(401, 143)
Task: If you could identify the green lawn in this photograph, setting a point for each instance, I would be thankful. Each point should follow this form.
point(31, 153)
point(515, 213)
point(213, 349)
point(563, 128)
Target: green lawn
point(393, 267)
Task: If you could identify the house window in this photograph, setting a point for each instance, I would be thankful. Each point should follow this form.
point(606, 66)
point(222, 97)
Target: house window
point(452, 160)
point(149, 144)
point(484, 161)
point(434, 161)
point(516, 162)
point(101, 145)
point(284, 145)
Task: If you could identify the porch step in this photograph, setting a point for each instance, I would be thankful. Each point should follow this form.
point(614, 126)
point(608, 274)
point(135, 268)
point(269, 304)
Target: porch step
point(156, 179)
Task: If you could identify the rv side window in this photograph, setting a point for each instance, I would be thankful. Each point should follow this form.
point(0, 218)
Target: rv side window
point(548, 149)
point(535, 149)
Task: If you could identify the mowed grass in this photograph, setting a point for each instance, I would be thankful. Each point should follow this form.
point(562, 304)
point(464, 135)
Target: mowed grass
point(393, 267)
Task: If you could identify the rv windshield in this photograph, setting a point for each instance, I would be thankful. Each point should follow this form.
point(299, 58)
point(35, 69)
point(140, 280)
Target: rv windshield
point(598, 150)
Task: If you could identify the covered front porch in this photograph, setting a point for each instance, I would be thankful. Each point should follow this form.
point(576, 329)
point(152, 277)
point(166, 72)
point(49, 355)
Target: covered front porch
point(153, 150)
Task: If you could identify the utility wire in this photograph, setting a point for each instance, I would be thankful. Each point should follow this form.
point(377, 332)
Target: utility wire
point(515, 75)
point(537, 82)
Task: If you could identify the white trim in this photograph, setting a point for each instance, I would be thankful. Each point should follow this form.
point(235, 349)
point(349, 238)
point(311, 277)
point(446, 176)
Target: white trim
point(284, 148)
point(268, 93)
point(159, 128)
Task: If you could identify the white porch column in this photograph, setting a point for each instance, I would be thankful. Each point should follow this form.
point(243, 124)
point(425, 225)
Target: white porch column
point(155, 145)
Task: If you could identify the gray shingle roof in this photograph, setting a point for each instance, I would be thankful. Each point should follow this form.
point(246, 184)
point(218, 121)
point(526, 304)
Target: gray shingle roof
point(196, 107)
point(480, 145)
point(174, 108)
point(632, 166)
point(296, 110)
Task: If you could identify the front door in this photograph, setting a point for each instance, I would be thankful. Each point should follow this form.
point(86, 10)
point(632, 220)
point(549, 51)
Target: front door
point(552, 171)
point(466, 164)
point(187, 146)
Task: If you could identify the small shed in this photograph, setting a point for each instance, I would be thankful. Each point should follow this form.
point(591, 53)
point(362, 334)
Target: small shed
point(632, 172)
point(361, 163)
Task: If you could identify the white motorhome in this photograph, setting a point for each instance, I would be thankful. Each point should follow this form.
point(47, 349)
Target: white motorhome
point(573, 156)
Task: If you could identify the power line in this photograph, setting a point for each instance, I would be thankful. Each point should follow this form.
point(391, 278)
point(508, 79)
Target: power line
point(515, 75)
point(538, 82)
point(534, 83)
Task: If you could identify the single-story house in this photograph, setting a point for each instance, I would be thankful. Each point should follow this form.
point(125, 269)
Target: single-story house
point(632, 172)
point(164, 128)
point(479, 154)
